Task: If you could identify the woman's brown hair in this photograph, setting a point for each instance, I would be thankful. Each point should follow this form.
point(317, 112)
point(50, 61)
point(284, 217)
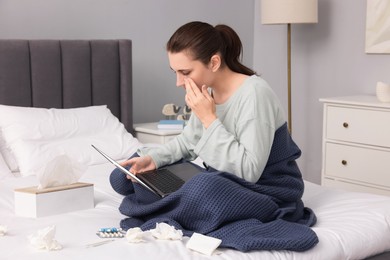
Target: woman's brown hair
point(202, 41)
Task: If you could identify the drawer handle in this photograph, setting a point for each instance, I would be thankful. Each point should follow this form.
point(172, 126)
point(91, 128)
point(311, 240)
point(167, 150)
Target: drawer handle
point(345, 124)
point(344, 162)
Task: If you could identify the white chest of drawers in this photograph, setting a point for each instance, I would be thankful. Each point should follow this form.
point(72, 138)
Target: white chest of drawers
point(356, 144)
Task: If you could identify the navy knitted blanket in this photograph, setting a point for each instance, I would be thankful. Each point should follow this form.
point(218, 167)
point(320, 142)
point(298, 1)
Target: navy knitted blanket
point(267, 215)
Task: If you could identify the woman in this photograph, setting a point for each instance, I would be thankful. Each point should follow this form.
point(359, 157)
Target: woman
point(238, 129)
point(233, 126)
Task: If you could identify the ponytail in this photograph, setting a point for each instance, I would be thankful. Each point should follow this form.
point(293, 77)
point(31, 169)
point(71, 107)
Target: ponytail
point(231, 49)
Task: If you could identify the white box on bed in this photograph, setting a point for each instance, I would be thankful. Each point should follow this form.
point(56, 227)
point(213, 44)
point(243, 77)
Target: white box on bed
point(31, 202)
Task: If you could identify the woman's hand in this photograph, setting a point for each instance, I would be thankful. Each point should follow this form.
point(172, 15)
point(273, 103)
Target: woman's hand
point(139, 165)
point(200, 102)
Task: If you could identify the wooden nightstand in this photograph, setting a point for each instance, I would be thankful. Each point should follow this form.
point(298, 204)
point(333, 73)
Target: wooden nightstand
point(356, 144)
point(148, 133)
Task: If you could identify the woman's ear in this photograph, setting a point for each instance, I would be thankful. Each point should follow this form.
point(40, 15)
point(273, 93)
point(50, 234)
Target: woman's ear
point(215, 62)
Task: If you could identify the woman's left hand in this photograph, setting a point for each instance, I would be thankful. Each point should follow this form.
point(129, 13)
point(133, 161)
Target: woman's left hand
point(200, 102)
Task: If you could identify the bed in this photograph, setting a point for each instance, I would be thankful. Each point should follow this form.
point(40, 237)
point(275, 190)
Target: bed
point(88, 85)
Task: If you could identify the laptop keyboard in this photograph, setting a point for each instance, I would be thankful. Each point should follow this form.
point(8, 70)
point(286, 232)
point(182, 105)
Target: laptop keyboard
point(164, 180)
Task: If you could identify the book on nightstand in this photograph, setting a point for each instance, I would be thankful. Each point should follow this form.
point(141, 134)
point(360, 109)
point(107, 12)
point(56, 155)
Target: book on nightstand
point(171, 124)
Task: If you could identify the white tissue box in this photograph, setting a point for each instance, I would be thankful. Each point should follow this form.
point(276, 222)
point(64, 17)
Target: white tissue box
point(31, 202)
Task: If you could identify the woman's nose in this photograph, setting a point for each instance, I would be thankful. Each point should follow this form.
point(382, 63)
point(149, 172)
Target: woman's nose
point(179, 80)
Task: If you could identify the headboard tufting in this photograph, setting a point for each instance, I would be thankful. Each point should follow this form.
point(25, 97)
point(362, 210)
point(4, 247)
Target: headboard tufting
point(67, 74)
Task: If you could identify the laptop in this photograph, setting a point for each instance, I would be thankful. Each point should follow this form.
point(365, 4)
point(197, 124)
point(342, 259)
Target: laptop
point(162, 181)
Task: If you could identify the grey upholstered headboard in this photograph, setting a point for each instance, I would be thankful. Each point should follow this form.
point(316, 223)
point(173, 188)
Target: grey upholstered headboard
point(68, 73)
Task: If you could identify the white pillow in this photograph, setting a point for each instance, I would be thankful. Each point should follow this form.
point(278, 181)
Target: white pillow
point(37, 135)
point(7, 155)
point(4, 170)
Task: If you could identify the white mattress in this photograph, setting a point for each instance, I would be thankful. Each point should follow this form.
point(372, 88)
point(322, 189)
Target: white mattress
point(350, 226)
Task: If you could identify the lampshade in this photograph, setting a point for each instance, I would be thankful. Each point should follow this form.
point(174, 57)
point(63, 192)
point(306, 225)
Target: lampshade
point(289, 11)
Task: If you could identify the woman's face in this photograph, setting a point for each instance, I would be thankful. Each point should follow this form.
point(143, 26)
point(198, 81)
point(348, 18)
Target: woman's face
point(184, 66)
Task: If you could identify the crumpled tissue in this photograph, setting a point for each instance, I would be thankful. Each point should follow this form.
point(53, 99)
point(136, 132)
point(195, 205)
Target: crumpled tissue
point(44, 239)
point(166, 232)
point(3, 230)
point(62, 170)
point(135, 235)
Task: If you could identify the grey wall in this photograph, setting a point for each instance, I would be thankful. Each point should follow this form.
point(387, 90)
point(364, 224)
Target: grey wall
point(149, 23)
point(328, 59)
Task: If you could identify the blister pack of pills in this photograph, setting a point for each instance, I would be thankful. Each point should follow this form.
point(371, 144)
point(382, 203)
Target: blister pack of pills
point(111, 233)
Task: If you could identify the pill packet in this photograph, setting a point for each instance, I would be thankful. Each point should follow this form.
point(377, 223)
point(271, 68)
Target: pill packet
point(111, 233)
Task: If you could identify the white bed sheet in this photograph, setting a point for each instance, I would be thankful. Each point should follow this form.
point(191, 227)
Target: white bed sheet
point(350, 226)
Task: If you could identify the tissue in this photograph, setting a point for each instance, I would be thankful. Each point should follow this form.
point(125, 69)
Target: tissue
point(60, 171)
point(44, 239)
point(3, 230)
point(135, 235)
point(203, 244)
point(166, 232)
